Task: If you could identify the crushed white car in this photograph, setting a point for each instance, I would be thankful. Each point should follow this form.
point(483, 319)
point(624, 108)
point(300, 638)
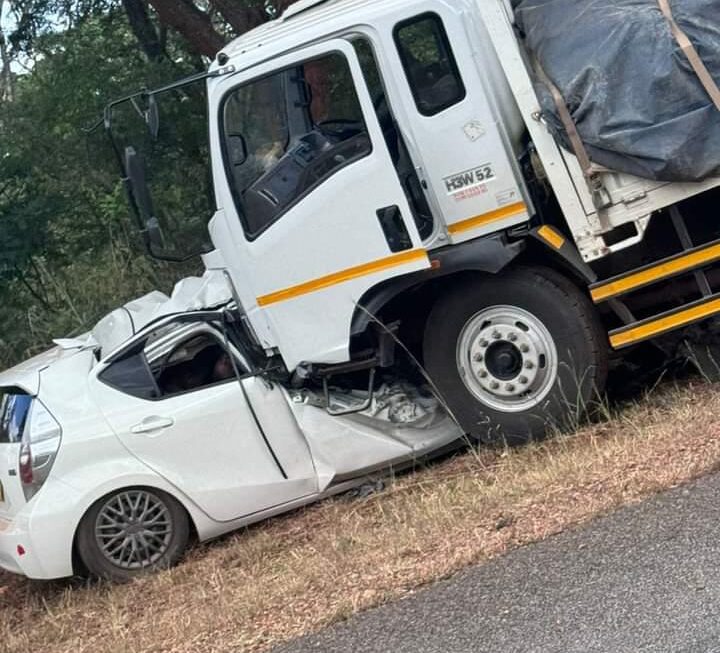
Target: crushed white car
point(118, 447)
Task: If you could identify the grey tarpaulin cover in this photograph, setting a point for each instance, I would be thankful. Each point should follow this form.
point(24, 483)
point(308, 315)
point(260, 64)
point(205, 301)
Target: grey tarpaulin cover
point(638, 104)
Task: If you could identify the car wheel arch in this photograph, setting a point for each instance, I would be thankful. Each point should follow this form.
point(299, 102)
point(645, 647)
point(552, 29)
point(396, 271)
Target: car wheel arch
point(183, 502)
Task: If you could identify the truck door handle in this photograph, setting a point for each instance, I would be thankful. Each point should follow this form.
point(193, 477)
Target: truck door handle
point(152, 425)
point(395, 229)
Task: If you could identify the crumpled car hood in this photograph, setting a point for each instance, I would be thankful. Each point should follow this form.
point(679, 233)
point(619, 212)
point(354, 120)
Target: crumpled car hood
point(210, 291)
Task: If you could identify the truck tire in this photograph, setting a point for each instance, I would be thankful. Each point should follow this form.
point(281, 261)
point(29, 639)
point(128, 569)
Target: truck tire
point(517, 355)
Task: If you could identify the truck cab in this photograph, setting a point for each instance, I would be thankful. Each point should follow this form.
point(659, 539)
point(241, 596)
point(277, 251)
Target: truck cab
point(348, 146)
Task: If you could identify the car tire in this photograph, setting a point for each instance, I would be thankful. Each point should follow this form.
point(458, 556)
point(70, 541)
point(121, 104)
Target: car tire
point(517, 355)
point(132, 532)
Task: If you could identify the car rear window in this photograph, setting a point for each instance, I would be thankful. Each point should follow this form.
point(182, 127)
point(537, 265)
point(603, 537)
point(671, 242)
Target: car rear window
point(14, 409)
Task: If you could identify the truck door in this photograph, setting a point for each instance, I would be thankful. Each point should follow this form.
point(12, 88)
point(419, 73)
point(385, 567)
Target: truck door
point(312, 199)
point(462, 133)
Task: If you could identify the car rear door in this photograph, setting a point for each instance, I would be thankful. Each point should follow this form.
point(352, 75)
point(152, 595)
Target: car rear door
point(205, 441)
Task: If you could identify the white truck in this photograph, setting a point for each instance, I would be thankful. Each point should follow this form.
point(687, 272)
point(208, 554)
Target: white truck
point(383, 175)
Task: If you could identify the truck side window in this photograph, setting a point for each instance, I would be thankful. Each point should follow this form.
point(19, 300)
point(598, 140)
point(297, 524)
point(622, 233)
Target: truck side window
point(429, 64)
point(287, 133)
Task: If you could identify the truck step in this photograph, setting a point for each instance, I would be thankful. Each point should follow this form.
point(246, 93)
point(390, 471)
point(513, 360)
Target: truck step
point(668, 268)
point(665, 322)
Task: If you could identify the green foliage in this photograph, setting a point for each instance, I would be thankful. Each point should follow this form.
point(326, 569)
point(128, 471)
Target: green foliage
point(68, 253)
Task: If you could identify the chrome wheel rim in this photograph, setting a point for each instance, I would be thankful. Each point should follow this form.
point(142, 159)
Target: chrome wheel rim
point(133, 529)
point(507, 359)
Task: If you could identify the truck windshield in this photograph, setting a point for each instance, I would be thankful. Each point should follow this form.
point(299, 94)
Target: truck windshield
point(286, 133)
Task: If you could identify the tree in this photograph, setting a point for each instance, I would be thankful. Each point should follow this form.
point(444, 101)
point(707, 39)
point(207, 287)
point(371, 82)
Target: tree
point(205, 25)
point(7, 81)
point(201, 29)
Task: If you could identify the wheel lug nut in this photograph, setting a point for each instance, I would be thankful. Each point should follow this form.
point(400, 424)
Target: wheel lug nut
point(479, 358)
point(510, 387)
point(524, 349)
point(497, 335)
point(494, 385)
point(529, 365)
point(484, 344)
point(483, 374)
point(512, 337)
point(523, 380)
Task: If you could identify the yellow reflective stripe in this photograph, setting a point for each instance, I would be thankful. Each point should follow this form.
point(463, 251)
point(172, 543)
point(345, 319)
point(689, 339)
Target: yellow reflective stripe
point(552, 237)
point(488, 218)
point(656, 273)
point(343, 276)
point(664, 324)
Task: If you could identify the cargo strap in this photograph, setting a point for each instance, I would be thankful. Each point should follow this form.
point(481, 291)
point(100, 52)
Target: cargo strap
point(692, 54)
point(601, 197)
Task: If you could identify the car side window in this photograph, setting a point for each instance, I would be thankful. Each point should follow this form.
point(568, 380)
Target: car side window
point(131, 375)
point(287, 133)
point(429, 63)
point(14, 409)
point(193, 364)
point(173, 360)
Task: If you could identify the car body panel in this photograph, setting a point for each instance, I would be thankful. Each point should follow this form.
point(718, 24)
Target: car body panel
point(212, 448)
point(347, 447)
point(237, 452)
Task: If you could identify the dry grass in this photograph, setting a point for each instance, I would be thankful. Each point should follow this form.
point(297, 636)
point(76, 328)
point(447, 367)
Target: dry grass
point(299, 573)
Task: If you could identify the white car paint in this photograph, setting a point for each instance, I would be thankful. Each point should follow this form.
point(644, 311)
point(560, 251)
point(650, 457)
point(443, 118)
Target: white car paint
point(232, 454)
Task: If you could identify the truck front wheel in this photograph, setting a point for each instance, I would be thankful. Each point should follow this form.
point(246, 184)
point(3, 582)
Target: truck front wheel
point(517, 355)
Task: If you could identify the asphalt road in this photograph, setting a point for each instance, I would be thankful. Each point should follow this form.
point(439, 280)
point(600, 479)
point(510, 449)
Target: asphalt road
point(647, 578)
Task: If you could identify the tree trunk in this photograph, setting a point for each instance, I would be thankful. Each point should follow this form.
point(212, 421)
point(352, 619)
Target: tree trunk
point(192, 24)
point(241, 18)
point(143, 28)
point(7, 81)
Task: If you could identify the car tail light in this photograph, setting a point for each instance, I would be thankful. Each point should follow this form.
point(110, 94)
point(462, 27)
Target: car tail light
point(38, 449)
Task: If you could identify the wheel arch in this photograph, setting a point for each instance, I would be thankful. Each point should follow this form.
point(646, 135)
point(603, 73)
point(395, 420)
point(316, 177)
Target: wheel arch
point(540, 246)
point(477, 257)
point(78, 565)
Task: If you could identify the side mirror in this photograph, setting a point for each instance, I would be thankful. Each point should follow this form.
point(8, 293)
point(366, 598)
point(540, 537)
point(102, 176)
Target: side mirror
point(152, 117)
point(154, 234)
point(137, 181)
point(140, 196)
point(141, 202)
point(237, 149)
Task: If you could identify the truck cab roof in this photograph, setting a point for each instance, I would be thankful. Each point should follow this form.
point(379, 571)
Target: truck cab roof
point(308, 21)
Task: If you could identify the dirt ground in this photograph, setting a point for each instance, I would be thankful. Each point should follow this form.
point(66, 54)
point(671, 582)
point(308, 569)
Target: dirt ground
point(301, 572)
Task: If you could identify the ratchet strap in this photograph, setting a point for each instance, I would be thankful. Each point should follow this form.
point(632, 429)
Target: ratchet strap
point(692, 54)
point(601, 197)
